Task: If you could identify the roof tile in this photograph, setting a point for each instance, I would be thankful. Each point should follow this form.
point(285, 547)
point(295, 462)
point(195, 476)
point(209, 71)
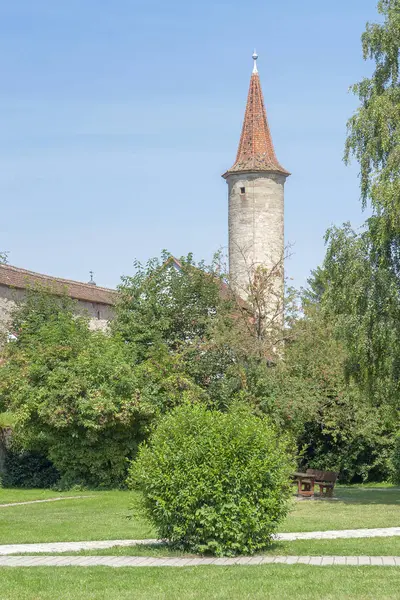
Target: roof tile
point(256, 150)
point(22, 279)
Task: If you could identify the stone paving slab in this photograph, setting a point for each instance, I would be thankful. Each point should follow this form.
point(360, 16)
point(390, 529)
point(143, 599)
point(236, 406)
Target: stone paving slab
point(41, 501)
point(132, 561)
point(57, 547)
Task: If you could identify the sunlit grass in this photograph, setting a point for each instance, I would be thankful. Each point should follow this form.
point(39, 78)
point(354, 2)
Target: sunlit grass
point(265, 582)
point(107, 515)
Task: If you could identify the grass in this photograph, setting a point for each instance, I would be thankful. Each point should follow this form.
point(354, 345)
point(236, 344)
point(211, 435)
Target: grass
point(21, 495)
point(200, 583)
point(346, 547)
point(107, 515)
point(100, 516)
point(357, 507)
point(7, 419)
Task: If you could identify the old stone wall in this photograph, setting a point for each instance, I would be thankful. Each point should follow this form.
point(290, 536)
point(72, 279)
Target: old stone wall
point(99, 314)
point(256, 224)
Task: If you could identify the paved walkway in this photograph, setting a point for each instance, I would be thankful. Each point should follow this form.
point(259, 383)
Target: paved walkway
point(47, 548)
point(40, 501)
point(143, 561)
point(339, 534)
point(70, 546)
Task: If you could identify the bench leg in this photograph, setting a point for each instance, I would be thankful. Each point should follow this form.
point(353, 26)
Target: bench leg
point(325, 491)
point(305, 488)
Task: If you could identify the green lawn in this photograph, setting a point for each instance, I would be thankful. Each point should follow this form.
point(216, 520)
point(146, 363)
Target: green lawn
point(107, 515)
point(200, 583)
point(102, 515)
point(357, 507)
point(21, 495)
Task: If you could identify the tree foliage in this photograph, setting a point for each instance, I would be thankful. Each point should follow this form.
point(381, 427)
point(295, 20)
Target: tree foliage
point(362, 295)
point(362, 269)
point(86, 400)
point(374, 131)
point(72, 392)
point(167, 302)
point(82, 398)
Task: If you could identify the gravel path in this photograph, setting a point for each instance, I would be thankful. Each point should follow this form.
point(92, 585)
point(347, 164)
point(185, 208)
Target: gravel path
point(41, 501)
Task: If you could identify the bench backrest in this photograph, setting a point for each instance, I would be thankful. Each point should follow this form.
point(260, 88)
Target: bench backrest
point(328, 476)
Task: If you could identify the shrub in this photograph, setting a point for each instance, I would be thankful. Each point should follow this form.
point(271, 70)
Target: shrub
point(213, 482)
point(396, 460)
point(28, 470)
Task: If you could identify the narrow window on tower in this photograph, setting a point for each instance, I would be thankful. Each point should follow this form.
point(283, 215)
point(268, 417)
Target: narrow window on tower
point(242, 190)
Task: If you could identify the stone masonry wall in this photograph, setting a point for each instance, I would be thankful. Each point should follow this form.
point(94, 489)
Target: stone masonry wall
point(99, 314)
point(256, 224)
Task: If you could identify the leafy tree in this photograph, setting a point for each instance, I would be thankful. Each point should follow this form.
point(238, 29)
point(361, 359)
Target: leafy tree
point(172, 309)
point(363, 269)
point(374, 132)
point(396, 460)
point(82, 398)
point(3, 257)
point(362, 296)
point(166, 303)
point(72, 391)
point(342, 430)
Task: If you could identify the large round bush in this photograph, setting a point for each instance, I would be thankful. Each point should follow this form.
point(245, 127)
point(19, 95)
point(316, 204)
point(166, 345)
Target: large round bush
point(214, 482)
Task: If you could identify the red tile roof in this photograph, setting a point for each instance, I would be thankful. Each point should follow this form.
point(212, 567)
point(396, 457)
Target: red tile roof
point(22, 279)
point(256, 150)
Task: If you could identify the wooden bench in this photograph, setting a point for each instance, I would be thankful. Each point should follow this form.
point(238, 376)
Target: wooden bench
point(325, 480)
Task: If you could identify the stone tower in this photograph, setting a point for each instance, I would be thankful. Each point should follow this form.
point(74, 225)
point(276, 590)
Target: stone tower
point(256, 197)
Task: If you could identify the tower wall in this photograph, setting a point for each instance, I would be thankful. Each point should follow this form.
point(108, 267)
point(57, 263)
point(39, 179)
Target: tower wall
point(256, 225)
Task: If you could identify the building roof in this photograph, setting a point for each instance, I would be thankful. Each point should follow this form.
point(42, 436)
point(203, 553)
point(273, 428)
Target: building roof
point(256, 150)
point(22, 279)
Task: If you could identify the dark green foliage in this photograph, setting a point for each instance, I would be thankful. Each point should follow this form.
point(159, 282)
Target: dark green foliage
point(213, 482)
point(337, 425)
point(351, 437)
point(26, 469)
point(396, 460)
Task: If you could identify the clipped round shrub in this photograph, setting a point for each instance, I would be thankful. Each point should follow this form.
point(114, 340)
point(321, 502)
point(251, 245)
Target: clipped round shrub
point(213, 482)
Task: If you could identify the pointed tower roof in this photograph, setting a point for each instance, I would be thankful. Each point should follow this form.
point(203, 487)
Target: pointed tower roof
point(256, 150)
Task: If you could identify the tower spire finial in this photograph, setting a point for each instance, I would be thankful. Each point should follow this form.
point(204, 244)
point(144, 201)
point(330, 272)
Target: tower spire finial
point(256, 150)
point(255, 56)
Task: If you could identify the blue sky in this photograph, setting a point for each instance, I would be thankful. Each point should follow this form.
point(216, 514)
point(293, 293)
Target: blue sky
point(117, 120)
